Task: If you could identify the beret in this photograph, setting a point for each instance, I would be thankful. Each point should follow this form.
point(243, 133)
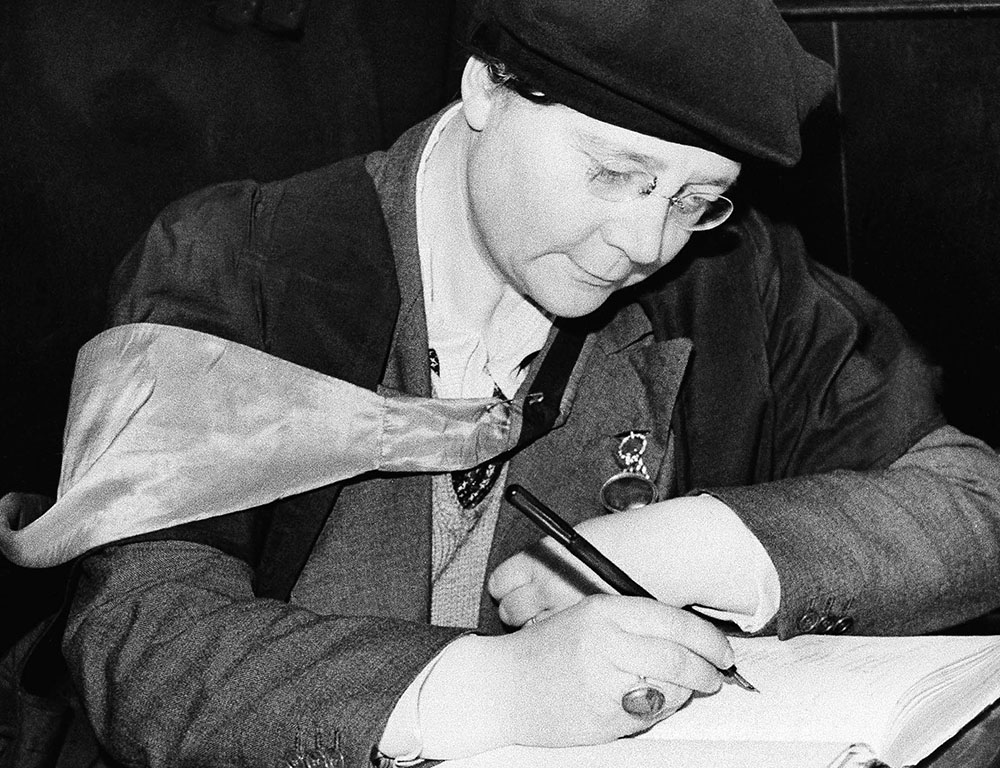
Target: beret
point(726, 75)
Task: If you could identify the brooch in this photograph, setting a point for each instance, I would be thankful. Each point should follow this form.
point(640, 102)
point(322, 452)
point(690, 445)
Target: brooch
point(631, 487)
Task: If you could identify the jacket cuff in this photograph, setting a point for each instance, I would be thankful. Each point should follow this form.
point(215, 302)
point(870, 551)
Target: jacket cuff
point(818, 559)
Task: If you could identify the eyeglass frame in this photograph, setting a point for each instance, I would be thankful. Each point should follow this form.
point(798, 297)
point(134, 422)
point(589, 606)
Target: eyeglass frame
point(500, 75)
point(649, 187)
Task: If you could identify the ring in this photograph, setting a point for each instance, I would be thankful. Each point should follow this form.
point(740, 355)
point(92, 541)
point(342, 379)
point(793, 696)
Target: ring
point(644, 701)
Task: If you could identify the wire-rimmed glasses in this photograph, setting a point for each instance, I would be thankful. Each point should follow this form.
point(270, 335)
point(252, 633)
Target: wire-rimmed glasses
point(693, 211)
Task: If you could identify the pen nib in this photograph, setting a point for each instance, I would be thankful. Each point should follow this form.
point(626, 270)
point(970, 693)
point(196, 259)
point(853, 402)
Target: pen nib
point(737, 678)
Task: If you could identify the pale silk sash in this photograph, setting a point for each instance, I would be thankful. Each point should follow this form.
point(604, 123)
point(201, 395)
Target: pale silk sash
point(167, 426)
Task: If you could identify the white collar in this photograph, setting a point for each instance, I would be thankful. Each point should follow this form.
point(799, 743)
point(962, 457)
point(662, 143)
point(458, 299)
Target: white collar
point(475, 355)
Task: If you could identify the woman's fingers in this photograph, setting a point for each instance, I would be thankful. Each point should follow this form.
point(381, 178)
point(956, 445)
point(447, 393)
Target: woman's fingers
point(542, 579)
point(668, 661)
point(521, 604)
point(645, 617)
point(511, 574)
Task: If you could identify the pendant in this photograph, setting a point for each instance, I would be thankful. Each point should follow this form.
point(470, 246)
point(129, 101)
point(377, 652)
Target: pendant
point(631, 488)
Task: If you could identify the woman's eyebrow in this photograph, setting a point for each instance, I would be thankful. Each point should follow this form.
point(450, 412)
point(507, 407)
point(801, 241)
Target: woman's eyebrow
point(594, 144)
point(712, 181)
point(591, 143)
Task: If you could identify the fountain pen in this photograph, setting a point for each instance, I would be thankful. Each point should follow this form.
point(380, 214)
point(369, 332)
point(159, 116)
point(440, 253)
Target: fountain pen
point(590, 556)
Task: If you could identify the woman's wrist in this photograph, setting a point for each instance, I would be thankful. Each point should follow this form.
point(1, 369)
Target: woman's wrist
point(687, 550)
point(465, 702)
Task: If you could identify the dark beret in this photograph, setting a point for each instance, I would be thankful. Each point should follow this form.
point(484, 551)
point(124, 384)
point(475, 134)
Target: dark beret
point(727, 75)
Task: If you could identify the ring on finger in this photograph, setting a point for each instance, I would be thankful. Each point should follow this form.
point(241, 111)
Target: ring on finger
point(644, 701)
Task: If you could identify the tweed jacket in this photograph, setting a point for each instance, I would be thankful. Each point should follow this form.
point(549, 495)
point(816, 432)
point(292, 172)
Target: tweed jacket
point(788, 392)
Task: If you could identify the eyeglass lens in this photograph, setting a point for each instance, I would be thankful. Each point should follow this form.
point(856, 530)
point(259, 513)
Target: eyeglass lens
point(691, 211)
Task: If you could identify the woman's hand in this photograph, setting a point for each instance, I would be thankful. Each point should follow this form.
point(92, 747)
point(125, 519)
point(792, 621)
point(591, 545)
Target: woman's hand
point(560, 682)
point(542, 580)
point(690, 550)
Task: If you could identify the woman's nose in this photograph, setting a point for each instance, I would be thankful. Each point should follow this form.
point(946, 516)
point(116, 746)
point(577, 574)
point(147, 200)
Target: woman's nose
point(639, 229)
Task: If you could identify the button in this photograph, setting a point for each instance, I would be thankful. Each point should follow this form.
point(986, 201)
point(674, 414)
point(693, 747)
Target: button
point(807, 621)
point(826, 622)
point(843, 625)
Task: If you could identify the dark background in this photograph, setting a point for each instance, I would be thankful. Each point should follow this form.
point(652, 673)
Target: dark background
point(109, 109)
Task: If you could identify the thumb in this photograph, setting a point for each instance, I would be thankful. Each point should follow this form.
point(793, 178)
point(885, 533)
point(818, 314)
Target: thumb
point(511, 574)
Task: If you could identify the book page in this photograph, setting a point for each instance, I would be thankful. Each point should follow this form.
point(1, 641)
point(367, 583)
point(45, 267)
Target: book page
point(630, 753)
point(821, 688)
point(938, 708)
point(819, 694)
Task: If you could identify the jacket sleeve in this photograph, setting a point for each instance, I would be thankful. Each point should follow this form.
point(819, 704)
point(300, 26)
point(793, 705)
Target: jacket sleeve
point(179, 663)
point(909, 549)
point(904, 539)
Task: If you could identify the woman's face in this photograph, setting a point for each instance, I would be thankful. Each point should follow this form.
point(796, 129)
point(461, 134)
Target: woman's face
point(535, 178)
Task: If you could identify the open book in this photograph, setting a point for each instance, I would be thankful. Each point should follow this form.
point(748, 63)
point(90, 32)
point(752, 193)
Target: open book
point(824, 700)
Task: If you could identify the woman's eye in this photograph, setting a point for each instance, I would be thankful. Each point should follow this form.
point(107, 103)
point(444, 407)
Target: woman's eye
point(617, 182)
point(613, 175)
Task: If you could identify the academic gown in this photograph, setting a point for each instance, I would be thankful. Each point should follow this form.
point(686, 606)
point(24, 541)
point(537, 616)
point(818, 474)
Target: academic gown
point(788, 392)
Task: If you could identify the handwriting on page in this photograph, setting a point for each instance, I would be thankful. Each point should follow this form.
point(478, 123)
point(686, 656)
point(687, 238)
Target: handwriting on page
point(838, 654)
point(812, 688)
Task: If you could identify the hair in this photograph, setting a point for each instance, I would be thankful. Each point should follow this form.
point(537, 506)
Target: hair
point(500, 75)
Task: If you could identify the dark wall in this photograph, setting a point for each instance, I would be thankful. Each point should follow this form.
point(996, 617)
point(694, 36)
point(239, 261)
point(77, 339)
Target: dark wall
point(916, 180)
point(109, 109)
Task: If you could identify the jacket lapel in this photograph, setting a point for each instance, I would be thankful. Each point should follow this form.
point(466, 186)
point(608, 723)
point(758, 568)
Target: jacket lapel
point(628, 381)
point(374, 554)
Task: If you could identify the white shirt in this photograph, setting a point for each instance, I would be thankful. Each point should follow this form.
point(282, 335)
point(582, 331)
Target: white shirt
point(477, 350)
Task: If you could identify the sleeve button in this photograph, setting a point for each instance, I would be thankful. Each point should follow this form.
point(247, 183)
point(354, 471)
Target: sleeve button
point(807, 621)
point(843, 625)
point(826, 622)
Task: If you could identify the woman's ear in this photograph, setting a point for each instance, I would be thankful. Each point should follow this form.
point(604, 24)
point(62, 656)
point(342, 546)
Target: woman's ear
point(479, 93)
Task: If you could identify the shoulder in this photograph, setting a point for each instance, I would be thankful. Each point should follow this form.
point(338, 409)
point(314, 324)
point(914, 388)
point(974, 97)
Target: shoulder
point(257, 262)
point(323, 210)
